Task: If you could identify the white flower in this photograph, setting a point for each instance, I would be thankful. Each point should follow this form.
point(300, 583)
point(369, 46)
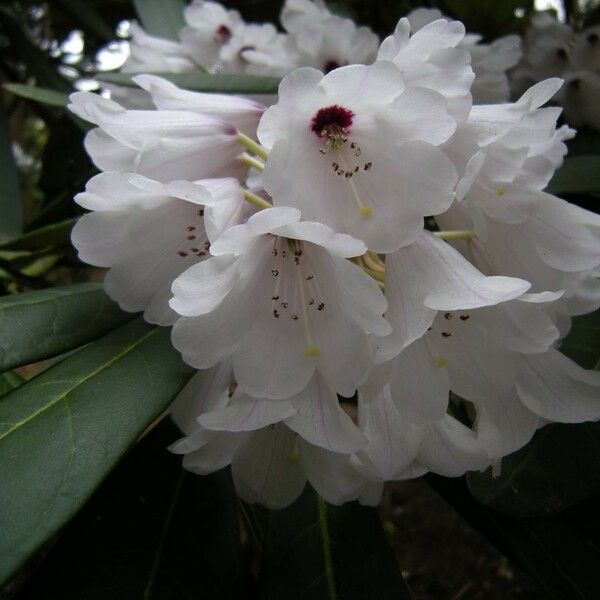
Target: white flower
point(243, 113)
point(161, 144)
point(147, 233)
point(274, 447)
point(258, 50)
point(502, 361)
point(298, 15)
point(280, 298)
point(324, 40)
point(430, 58)
point(209, 27)
point(356, 150)
point(149, 54)
point(429, 276)
point(491, 63)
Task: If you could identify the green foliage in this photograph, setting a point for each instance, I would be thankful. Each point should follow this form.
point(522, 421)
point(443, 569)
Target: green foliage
point(64, 430)
point(204, 82)
point(46, 323)
point(578, 175)
point(315, 550)
point(11, 213)
point(160, 18)
point(150, 531)
point(38, 94)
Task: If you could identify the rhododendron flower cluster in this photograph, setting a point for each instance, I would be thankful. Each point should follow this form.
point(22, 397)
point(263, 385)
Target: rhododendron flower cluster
point(338, 339)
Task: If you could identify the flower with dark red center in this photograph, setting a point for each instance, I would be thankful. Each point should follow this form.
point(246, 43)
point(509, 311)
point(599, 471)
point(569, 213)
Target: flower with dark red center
point(331, 121)
point(222, 34)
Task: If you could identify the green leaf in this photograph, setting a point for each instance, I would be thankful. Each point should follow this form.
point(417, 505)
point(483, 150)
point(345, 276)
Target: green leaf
point(178, 531)
point(561, 552)
point(64, 430)
point(160, 18)
point(50, 236)
point(323, 552)
point(88, 18)
point(561, 465)
point(38, 94)
point(11, 210)
point(46, 323)
point(205, 82)
point(38, 63)
point(578, 175)
point(9, 381)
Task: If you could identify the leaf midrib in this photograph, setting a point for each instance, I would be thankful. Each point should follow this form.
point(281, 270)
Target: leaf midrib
point(65, 394)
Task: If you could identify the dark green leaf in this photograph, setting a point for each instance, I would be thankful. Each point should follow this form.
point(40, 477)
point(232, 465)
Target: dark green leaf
point(160, 18)
point(64, 430)
point(578, 175)
point(38, 94)
point(51, 236)
point(9, 381)
point(318, 551)
point(561, 465)
point(88, 18)
point(11, 210)
point(173, 534)
point(46, 323)
point(204, 82)
point(561, 552)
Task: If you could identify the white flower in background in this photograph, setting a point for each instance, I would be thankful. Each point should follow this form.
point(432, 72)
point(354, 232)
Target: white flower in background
point(151, 54)
point(280, 297)
point(147, 233)
point(209, 27)
point(258, 50)
point(164, 145)
point(555, 49)
point(324, 40)
point(356, 150)
point(274, 447)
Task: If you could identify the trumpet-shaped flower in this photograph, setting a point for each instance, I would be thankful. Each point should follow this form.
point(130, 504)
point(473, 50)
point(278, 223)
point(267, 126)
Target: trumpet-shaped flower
point(162, 144)
point(148, 233)
point(280, 297)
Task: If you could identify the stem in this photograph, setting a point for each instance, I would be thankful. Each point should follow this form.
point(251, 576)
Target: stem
point(326, 541)
point(253, 146)
point(253, 162)
point(256, 200)
point(372, 261)
point(449, 236)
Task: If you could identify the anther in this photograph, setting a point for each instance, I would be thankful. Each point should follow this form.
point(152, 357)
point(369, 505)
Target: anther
point(310, 277)
point(312, 351)
point(311, 301)
point(274, 297)
point(201, 212)
point(182, 253)
point(191, 237)
point(446, 334)
point(276, 313)
point(464, 317)
point(284, 305)
point(274, 272)
point(190, 228)
point(447, 316)
point(274, 252)
point(321, 306)
point(295, 317)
